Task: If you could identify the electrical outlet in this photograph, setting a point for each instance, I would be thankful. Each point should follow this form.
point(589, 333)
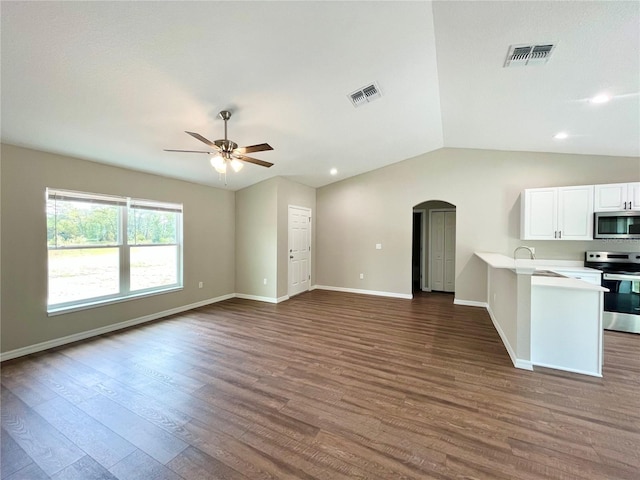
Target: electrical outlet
point(362, 276)
point(200, 284)
point(264, 281)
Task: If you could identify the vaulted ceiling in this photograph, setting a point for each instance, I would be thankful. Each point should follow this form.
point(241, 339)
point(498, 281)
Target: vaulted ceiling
point(118, 82)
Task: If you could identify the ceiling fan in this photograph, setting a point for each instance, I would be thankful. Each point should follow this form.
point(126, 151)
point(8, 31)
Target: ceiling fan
point(227, 152)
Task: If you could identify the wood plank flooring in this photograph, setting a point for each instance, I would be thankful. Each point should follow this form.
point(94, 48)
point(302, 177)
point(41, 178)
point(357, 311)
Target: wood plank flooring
point(324, 386)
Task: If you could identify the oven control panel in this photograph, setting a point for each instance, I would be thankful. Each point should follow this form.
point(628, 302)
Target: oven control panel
point(613, 257)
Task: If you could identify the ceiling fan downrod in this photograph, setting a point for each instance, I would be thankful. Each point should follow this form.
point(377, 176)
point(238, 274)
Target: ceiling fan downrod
point(225, 115)
point(226, 146)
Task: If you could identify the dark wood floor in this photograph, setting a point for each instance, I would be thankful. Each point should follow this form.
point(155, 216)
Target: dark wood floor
point(324, 386)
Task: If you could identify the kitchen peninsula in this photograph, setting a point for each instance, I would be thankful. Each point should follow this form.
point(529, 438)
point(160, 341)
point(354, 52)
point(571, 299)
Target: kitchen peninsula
point(544, 316)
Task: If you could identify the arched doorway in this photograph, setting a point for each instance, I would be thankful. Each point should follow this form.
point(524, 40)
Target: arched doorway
point(433, 247)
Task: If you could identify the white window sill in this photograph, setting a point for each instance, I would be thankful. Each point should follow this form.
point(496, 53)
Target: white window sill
point(52, 312)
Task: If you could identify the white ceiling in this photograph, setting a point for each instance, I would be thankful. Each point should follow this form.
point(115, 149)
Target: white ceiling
point(118, 82)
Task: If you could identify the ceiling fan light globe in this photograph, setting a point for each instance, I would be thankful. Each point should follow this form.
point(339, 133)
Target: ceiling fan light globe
point(218, 163)
point(236, 165)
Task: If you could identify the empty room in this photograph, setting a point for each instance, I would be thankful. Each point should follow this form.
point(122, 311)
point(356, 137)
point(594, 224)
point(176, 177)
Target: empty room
point(320, 240)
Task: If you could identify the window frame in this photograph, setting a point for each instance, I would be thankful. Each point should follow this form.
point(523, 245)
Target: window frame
point(125, 205)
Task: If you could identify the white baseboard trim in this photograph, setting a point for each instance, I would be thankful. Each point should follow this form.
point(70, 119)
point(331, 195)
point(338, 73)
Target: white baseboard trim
point(572, 370)
point(261, 299)
point(38, 347)
point(517, 362)
point(523, 364)
point(470, 303)
point(426, 289)
point(406, 296)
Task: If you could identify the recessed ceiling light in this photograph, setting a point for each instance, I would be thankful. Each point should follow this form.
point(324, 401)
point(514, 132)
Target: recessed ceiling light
point(561, 135)
point(333, 171)
point(602, 98)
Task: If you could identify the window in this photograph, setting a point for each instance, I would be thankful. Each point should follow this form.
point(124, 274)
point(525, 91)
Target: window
point(104, 248)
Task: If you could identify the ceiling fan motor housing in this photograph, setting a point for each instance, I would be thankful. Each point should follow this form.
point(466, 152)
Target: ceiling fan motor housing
point(226, 146)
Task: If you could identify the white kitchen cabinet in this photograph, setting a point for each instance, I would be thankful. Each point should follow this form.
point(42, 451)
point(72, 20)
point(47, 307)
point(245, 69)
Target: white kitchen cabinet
point(617, 196)
point(557, 213)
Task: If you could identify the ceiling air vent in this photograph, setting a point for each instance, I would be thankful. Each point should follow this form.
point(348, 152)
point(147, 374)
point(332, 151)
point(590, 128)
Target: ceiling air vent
point(365, 94)
point(523, 55)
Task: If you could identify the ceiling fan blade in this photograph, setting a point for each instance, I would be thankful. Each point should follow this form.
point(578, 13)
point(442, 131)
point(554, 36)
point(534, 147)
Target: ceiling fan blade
point(186, 151)
point(253, 148)
point(204, 140)
point(255, 161)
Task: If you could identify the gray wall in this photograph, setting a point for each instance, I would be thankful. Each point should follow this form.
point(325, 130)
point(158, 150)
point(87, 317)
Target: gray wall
point(209, 242)
point(296, 194)
point(257, 239)
point(262, 223)
point(233, 241)
point(484, 185)
point(503, 302)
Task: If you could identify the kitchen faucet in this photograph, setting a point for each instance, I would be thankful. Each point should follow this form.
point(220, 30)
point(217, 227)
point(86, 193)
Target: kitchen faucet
point(524, 247)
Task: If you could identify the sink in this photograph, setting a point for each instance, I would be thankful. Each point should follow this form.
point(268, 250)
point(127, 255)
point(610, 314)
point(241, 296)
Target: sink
point(547, 273)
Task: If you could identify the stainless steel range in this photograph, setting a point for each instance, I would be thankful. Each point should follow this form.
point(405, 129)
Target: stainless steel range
point(621, 275)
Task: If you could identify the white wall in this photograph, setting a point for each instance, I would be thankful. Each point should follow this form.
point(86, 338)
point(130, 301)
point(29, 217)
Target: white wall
point(484, 185)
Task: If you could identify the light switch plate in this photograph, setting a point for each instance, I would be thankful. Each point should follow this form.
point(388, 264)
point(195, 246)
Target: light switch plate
point(378, 246)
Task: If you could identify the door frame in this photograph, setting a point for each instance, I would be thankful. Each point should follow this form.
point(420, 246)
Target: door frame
point(289, 207)
point(429, 285)
point(423, 246)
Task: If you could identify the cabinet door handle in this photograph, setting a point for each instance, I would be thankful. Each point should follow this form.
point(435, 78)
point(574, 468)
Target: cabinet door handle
point(625, 206)
point(560, 234)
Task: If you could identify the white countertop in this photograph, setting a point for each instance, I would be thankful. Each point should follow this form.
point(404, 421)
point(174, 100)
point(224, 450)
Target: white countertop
point(528, 267)
point(565, 282)
point(497, 260)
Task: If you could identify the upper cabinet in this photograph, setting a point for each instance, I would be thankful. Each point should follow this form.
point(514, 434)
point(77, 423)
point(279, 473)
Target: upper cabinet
point(617, 196)
point(559, 213)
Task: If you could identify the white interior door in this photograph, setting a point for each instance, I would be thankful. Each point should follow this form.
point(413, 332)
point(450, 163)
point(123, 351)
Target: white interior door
point(437, 250)
point(299, 250)
point(449, 251)
point(442, 248)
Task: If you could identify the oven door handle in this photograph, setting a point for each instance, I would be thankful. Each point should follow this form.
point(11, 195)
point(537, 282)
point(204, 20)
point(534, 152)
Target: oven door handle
point(625, 278)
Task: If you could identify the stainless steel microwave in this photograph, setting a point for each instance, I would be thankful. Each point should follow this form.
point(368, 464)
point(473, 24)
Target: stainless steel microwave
point(623, 224)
